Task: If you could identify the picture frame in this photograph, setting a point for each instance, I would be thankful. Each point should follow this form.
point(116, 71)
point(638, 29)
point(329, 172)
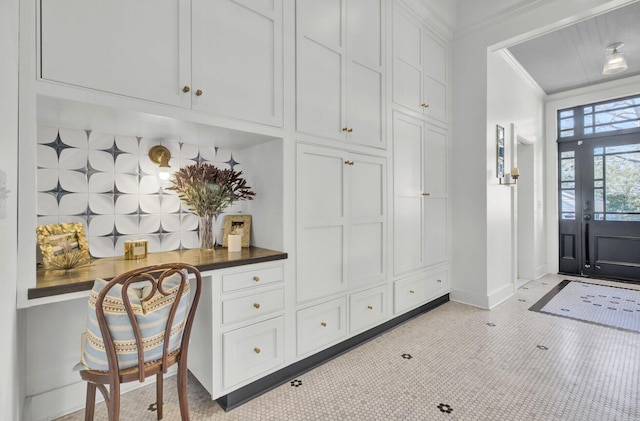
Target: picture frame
point(63, 246)
point(499, 151)
point(237, 224)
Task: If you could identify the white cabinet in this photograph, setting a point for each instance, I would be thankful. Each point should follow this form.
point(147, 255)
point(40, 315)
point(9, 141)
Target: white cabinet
point(418, 289)
point(132, 48)
point(321, 325)
point(420, 194)
point(238, 335)
point(237, 59)
point(341, 221)
point(367, 308)
point(222, 57)
point(340, 60)
point(419, 67)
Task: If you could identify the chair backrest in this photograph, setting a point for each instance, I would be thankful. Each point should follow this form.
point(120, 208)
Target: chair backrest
point(157, 317)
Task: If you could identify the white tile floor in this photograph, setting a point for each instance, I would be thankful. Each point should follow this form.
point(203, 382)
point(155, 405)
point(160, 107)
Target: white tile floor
point(453, 363)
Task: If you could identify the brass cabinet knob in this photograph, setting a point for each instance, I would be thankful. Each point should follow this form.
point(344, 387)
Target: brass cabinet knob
point(199, 92)
point(411, 291)
point(370, 307)
point(256, 278)
point(426, 194)
point(344, 129)
point(348, 162)
point(347, 129)
point(323, 324)
point(350, 130)
point(439, 281)
point(256, 305)
point(423, 105)
point(186, 89)
point(256, 350)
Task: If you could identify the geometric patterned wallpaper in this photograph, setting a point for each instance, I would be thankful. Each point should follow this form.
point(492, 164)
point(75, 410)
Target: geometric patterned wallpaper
point(107, 182)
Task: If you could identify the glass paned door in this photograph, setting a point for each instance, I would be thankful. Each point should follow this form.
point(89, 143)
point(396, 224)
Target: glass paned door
point(599, 185)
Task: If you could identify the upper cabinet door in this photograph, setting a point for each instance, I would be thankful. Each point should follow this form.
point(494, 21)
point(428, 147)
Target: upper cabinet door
point(407, 60)
point(130, 48)
point(237, 59)
point(339, 89)
point(419, 67)
point(320, 67)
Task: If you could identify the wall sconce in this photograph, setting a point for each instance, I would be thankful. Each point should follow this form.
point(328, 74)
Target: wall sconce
point(160, 155)
point(514, 176)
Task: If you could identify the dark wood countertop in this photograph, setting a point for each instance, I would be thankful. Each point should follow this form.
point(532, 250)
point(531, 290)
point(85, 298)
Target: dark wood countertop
point(55, 282)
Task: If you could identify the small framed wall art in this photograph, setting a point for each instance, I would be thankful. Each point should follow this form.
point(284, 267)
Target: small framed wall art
point(63, 246)
point(237, 224)
point(499, 151)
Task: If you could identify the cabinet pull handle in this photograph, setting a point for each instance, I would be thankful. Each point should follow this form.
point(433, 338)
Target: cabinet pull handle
point(439, 281)
point(256, 350)
point(256, 305)
point(256, 278)
point(426, 194)
point(323, 324)
point(411, 291)
point(344, 129)
point(350, 130)
point(370, 307)
point(348, 162)
point(186, 89)
point(199, 92)
point(423, 105)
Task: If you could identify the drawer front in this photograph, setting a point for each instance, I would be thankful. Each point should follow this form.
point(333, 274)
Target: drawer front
point(438, 284)
point(251, 278)
point(320, 325)
point(254, 305)
point(409, 293)
point(252, 350)
point(367, 308)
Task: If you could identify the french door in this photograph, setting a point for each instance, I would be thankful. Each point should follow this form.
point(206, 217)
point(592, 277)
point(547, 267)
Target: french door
point(599, 196)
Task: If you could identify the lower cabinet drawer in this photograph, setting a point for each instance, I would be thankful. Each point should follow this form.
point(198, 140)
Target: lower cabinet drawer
point(258, 276)
point(252, 350)
point(253, 305)
point(367, 308)
point(321, 325)
point(419, 289)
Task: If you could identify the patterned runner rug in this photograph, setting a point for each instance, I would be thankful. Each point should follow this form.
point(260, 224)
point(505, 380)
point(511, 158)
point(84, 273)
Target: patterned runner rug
point(603, 305)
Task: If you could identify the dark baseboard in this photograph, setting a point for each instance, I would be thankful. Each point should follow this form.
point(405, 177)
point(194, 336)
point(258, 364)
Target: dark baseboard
point(273, 380)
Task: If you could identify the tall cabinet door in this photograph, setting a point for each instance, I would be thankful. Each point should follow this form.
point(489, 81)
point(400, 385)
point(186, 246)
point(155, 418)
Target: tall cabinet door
point(237, 59)
point(364, 106)
point(407, 59)
point(134, 48)
point(367, 220)
point(320, 69)
point(408, 222)
point(321, 222)
point(420, 194)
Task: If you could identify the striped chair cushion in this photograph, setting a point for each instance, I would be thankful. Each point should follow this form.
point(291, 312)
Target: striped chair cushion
point(151, 315)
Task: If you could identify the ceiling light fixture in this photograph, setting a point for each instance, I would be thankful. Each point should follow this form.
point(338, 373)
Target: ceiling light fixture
point(161, 156)
point(616, 62)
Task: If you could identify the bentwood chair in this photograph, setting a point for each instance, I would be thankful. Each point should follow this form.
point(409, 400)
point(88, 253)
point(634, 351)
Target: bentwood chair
point(140, 327)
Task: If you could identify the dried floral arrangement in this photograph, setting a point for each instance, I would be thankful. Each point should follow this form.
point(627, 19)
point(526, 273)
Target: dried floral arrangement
point(208, 190)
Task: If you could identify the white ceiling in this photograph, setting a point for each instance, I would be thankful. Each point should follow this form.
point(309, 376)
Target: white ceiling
point(573, 57)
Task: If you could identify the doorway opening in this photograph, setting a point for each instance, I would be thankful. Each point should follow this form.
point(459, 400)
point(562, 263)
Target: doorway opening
point(599, 189)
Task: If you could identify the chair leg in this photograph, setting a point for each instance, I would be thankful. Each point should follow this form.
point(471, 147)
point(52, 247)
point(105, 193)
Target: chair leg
point(159, 401)
point(182, 390)
point(90, 404)
point(113, 403)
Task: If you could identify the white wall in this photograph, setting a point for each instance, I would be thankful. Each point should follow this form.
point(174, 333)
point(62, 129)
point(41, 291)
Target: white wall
point(511, 99)
point(478, 234)
point(10, 382)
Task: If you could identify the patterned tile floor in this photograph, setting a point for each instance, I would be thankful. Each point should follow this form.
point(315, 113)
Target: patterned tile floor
point(455, 362)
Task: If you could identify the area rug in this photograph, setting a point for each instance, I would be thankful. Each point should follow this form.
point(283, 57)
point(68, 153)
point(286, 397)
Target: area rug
point(602, 305)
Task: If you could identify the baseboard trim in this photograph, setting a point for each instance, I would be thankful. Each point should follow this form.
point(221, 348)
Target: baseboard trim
point(273, 380)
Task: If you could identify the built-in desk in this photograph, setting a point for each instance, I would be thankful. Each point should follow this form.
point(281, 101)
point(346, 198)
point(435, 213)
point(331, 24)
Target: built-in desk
point(55, 282)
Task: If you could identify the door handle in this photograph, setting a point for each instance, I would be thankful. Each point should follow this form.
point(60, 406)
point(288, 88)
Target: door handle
point(587, 217)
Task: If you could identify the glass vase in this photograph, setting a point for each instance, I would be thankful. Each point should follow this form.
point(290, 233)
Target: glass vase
point(207, 232)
